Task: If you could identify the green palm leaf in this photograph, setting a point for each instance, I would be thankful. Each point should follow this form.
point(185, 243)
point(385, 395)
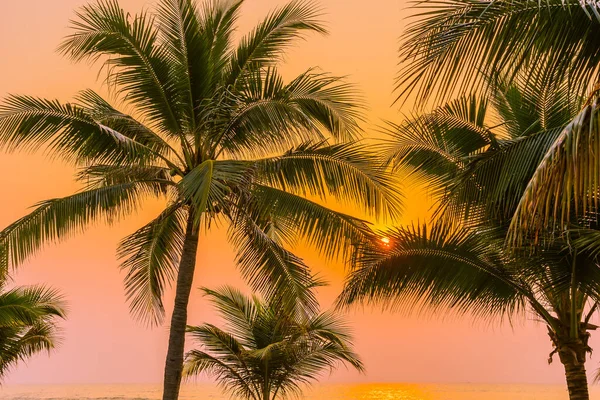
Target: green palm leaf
point(27, 323)
point(565, 180)
point(268, 266)
point(317, 169)
point(137, 65)
point(439, 264)
point(28, 123)
point(57, 219)
point(281, 350)
point(450, 43)
point(266, 43)
point(292, 217)
point(151, 257)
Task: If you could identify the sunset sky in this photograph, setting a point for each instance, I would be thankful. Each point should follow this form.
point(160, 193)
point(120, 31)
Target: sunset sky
point(103, 344)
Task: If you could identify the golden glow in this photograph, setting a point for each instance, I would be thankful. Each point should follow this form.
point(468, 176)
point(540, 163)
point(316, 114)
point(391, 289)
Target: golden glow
point(363, 45)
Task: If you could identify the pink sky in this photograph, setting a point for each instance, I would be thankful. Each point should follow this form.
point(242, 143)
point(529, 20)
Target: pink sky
point(102, 344)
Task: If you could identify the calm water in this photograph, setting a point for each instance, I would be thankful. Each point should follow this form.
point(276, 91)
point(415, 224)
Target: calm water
point(327, 392)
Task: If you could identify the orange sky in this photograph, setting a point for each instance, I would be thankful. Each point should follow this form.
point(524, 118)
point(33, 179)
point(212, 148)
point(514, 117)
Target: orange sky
point(102, 344)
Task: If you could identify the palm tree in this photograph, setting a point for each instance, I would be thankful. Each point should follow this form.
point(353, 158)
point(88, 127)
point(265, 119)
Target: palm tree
point(27, 323)
point(456, 45)
point(468, 270)
point(478, 166)
point(267, 351)
point(216, 132)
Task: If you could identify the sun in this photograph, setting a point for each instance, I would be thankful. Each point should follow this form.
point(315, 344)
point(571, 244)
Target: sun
point(385, 241)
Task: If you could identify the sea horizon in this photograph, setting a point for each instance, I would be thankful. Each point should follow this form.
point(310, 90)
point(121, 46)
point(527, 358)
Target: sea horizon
point(329, 391)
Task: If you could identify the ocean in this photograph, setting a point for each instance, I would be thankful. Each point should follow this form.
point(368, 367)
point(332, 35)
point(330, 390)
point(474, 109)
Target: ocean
point(370, 391)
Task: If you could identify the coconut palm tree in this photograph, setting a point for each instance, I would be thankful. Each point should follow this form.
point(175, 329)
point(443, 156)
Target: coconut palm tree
point(477, 154)
point(453, 45)
point(218, 134)
point(267, 351)
point(468, 270)
point(28, 318)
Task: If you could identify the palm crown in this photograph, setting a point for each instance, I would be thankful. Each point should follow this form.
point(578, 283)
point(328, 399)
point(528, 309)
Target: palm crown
point(216, 131)
point(468, 46)
point(267, 351)
point(28, 317)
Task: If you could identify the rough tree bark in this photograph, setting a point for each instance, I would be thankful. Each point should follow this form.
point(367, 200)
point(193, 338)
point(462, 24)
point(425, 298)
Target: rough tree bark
point(185, 276)
point(572, 354)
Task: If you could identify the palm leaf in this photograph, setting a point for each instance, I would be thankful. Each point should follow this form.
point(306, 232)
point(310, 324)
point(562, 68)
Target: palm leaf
point(268, 266)
point(442, 266)
point(151, 257)
point(137, 65)
point(452, 45)
point(68, 130)
point(57, 219)
point(565, 181)
point(292, 217)
point(347, 172)
point(266, 43)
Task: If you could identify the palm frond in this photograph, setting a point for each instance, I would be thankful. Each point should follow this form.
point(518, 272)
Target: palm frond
point(565, 181)
point(101, 175)
point(329, 100)
point(182, 34)
point(290, 217)
point(450, 43)
point(28, 318)
point(22, 306)
point(269, 39)
point(493, 181)
point(443, 266)
point(436, 146)
point(268, 266)
point(103, 112)
point(273, 116)
point(57, 219)
point(536, 100)
point(218, 24)
point(348, 172)
point(151, 258)
point(67, 130)
point(137, 65)
point(238, 311)
point(227, 376)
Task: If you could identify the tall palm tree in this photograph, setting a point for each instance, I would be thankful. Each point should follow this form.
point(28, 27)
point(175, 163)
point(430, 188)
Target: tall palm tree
point(216, 132)
point(478, 166)
point(267, 351)
point(453, 45)
point(28, 318)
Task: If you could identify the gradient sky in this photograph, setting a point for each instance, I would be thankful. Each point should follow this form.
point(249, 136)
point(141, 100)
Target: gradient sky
point(102, 344)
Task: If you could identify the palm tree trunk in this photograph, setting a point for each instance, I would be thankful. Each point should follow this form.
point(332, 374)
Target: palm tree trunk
point(185, 276)
point(266, 383)
point(576, 381)
point(572, 356)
